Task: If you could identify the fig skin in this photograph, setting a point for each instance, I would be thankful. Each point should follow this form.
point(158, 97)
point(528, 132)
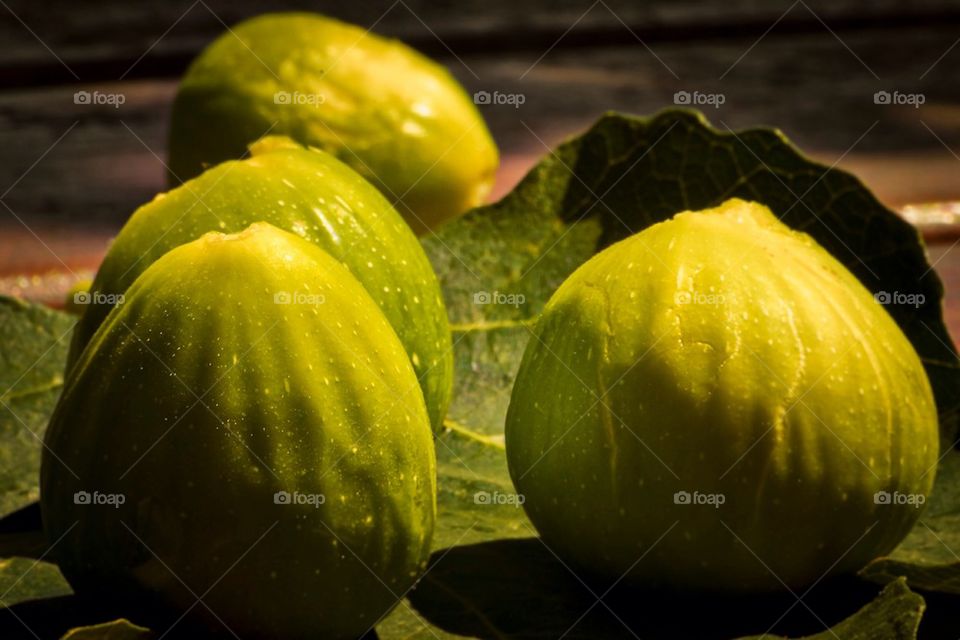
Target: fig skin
point(200, 398)
point(312, 194)
point(790, 392)
point(395, 116)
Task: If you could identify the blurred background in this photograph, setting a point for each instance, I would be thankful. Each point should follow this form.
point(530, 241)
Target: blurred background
point(871, 86)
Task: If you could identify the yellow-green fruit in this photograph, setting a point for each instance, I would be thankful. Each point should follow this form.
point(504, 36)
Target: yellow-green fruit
point(717, 403)
point(401, 120)
point(274, 458)
point(313, 195)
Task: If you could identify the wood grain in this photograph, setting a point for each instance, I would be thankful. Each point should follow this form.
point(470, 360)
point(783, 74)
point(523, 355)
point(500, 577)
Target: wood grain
point(94, 164)
point(65, 41)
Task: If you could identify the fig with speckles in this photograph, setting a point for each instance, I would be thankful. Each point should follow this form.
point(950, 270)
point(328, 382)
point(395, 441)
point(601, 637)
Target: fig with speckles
point(312, 194)
point(717, 403)
point(245, 428)
point(395, 116)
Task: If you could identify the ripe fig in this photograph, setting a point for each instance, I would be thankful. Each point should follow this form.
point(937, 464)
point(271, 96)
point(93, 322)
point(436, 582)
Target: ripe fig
point(244, 429)
point(717, 403)
point(398, 118)
point(313, 195)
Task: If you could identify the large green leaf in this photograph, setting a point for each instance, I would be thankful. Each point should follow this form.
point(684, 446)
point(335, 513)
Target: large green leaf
point(490, 576)
point(33, 343)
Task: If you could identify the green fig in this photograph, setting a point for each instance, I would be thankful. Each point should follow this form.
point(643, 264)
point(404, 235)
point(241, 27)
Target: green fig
point(271, 457)
point(398, 118)
point(312, 194)
point(717, 403)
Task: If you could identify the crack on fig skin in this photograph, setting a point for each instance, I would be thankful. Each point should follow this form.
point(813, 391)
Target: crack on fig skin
point(606, 414)
point(867, 349)
point(684, 342)
point(792, 396)
point(887, 404)
point(734, 324)
point(787, 403)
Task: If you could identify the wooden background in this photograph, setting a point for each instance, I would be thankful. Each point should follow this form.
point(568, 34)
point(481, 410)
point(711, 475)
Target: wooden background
point(71, 173)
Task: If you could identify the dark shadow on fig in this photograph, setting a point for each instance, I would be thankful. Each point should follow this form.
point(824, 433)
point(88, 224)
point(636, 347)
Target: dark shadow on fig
point(518, 589)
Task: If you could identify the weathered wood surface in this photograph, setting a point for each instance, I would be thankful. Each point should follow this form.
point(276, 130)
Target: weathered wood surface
point(62, 40)
point(93, 164)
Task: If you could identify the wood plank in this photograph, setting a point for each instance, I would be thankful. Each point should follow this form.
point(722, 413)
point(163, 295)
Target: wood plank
point(65, 41)
point(90, 164)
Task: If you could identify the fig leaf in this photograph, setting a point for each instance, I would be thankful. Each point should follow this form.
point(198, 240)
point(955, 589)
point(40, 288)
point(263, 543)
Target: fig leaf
point(33, 347)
